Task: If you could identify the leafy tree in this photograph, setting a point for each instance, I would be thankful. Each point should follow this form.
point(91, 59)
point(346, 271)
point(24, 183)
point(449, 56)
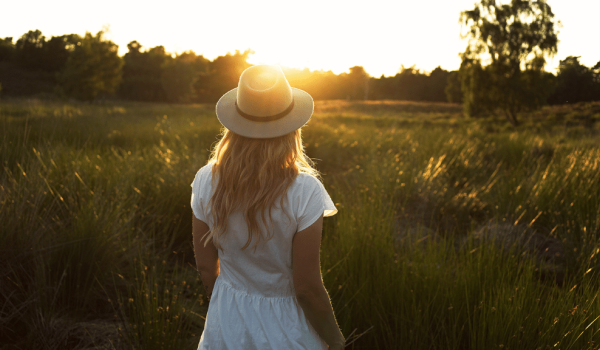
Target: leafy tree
point(382, 88)
point(30, 49)
point(453, 88)
point(321, 85)
point(575, 83)
point(436, 85)
point(92, 69)
point(223, 75)
point(142, 72)
point(180, 73)
point(358, 80)
point(57, 50)
point(7, 49)
point(502, 66)
point(411, 84)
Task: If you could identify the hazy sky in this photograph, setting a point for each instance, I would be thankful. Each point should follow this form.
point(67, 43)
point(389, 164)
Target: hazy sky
point(318, 34)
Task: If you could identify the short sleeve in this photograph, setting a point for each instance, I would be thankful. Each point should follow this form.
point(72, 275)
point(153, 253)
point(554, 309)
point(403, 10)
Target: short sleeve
point(315, 202)
point(201, 193)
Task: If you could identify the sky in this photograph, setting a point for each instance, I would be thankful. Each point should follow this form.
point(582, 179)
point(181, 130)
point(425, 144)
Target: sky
point(382, 36)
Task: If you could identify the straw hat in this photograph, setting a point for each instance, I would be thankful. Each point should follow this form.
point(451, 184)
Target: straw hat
point(264, 105)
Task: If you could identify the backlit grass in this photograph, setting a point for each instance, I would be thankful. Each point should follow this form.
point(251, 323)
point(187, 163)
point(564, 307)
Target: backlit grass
point(96, 225)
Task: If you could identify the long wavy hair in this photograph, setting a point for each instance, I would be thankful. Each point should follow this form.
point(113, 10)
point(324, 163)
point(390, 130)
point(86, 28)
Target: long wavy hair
point(250, 175)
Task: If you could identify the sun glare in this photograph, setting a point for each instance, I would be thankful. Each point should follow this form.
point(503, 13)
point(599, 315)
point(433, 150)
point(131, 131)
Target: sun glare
point(380, 35)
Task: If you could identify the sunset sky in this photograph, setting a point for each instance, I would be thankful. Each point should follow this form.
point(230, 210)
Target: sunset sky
point(318, 34)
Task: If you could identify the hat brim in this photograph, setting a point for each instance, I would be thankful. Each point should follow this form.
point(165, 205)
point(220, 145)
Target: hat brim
point(295, 119)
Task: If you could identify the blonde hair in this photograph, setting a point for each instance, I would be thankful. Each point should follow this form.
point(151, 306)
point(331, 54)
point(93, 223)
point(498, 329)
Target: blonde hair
point(251, 174)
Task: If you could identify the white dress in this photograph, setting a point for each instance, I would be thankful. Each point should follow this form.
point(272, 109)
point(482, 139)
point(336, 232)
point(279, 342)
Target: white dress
point(253, 304)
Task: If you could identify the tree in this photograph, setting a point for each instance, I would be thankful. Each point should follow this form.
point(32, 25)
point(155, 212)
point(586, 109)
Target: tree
point(453, 88)
point(321, 85)
point(575, 83)
point(33, 52)
point(29, 49)
point(92, 69)
point(223, 75)
point(358, 80)
point(502, 66)
point(142, 72)
point(7, 49)
point(436, 85)
point(179, 75)
point(410, 84)
point(57, 50)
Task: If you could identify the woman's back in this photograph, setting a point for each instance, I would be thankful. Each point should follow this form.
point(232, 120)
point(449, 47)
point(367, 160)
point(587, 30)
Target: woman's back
point(254, 292)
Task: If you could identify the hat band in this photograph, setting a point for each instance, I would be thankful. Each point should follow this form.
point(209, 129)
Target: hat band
point(268, 118)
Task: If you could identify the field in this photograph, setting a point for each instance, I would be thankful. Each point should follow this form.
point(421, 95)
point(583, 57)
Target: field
point(452, 233)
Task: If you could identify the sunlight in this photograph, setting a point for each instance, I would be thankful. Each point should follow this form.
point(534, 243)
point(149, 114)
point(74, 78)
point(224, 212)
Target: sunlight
point(331, 35)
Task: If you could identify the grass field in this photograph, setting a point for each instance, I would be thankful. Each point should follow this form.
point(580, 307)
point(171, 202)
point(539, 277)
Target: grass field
point(452, 233)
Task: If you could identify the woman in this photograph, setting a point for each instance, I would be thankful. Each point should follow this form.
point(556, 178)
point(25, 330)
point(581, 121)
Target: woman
point(258, 215)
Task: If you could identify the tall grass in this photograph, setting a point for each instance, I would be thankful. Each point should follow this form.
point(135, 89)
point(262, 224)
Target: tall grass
point(96, 225)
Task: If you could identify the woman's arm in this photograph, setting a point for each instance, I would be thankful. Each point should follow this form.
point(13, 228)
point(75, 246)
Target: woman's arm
point(207, 258)
point(310, 291)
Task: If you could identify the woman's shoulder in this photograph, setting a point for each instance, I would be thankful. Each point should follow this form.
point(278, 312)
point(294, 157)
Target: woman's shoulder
point(307, 182)
point(203, 176)
point(305, 178)
point(310, 192)
point(205, 171)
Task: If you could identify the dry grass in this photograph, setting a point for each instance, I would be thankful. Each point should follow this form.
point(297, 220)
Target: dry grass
point(96, 225)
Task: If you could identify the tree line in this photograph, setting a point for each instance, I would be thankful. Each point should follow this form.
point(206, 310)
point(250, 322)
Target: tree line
point(89, 68)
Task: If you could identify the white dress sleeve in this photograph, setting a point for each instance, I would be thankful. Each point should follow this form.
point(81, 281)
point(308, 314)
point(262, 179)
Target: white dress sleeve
point(314, 203)
point(201, 193)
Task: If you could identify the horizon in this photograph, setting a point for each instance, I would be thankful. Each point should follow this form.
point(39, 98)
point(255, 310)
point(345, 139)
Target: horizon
point(381, 37)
